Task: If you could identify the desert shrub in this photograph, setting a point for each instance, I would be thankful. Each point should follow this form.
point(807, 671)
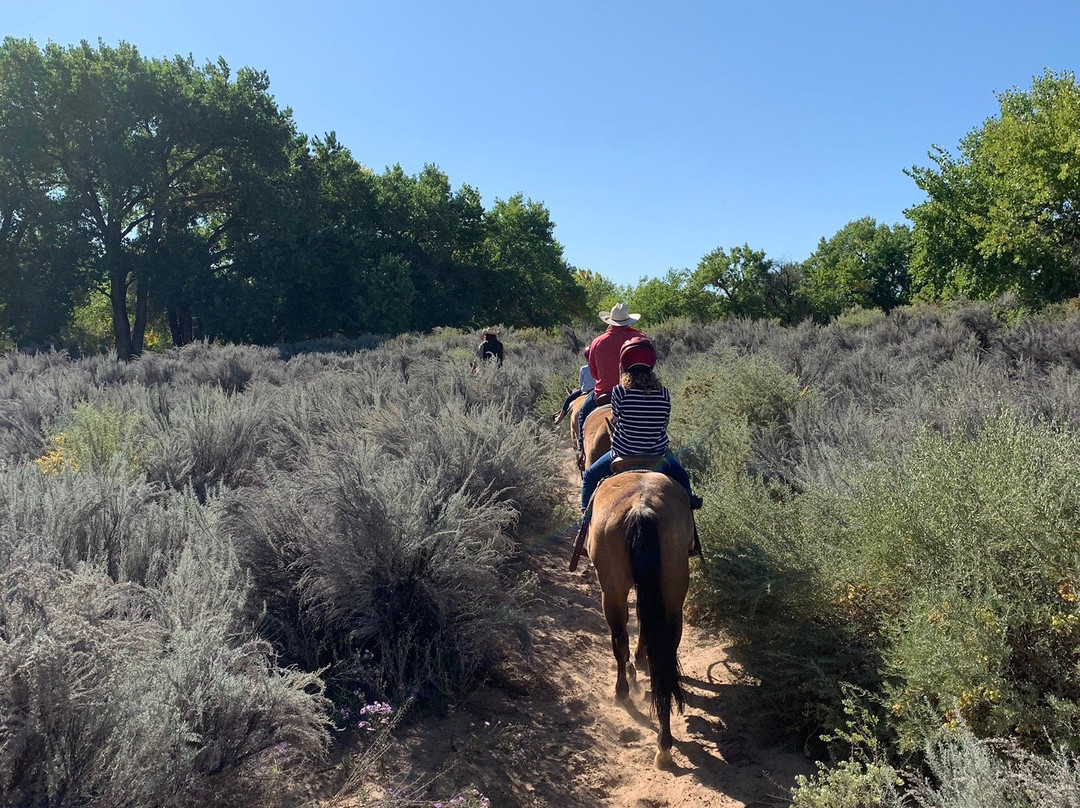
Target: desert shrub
point(805, 518)
point(111, 694)
point(95, 438)
point(728, 405)
point(207, 438)
point(859, 317)
point(395, 579)
point(801, 634)
point(974, 545)
point(968, 772)
point(131, 530)
point(947, 578)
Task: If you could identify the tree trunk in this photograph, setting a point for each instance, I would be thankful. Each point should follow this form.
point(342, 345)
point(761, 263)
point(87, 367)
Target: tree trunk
point(181, 326)
point(121, 326)
point(139, 330)
point(114, 258)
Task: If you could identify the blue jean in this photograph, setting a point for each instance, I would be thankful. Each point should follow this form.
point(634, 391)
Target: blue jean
point(587, 406)
point(570, 399)
point(602, 468)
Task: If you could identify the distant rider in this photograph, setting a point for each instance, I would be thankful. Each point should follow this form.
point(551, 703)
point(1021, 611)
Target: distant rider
point(490, 348)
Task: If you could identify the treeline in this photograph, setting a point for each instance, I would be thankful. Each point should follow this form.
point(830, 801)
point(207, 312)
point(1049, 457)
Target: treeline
point(1001, 218)
point(187, 196)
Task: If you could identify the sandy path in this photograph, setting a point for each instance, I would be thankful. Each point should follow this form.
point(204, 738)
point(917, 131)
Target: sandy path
point(551, 735)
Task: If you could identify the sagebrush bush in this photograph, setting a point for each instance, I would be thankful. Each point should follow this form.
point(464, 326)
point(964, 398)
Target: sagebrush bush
point(968, 772)
point(373, 496)
point(393, 578)
point(112, 694)
point(815, 516)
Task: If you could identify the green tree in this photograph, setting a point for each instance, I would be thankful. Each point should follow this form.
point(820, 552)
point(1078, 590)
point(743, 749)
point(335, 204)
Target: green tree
point(676, 294)
point(739, 279)
point(145, 149)
point(784, 299)
point(1005, 214)
point(41, 260)
point(430, 246)
point(600, 292)
point(863, 264)
point(530, 283)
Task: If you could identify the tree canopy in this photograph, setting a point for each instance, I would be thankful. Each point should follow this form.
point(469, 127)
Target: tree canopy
point(186, 190)
point(1004, 216)
point(864, 264)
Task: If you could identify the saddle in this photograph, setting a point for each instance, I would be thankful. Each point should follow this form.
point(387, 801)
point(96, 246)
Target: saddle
point(636, 463)
point(621, 465)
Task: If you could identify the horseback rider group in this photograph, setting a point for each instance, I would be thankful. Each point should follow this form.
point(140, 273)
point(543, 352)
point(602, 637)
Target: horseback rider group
point(622, 361)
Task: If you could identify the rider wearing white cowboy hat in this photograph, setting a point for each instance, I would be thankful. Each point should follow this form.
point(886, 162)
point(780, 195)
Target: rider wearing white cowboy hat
point(604, 358)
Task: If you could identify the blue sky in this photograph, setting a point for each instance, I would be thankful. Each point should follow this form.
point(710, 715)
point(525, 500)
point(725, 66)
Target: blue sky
point(653, 132)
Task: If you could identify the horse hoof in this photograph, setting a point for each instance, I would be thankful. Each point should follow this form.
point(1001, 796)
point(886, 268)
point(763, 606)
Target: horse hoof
point(663, 759)
point(622, 696)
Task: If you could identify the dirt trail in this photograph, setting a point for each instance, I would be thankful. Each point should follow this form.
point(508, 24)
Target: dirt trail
point(552, 735)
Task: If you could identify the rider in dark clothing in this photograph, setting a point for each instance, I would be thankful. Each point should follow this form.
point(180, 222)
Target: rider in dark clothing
point(490, 348)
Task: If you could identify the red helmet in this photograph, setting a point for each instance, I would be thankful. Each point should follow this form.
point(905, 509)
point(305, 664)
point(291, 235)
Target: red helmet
point(637, 351)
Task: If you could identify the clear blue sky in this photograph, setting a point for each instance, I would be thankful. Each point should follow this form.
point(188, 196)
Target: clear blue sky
point(653, 132)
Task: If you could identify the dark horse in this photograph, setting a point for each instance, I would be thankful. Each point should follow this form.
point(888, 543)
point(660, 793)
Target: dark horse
point(640, 535)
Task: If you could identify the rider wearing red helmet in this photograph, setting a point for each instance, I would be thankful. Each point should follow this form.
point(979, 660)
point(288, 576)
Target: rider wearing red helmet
point(641, 408)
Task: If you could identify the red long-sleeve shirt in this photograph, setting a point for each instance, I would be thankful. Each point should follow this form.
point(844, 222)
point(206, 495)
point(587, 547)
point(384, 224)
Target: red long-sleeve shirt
point(604, 356)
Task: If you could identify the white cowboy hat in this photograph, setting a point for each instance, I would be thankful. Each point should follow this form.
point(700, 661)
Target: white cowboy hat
point(619, 315)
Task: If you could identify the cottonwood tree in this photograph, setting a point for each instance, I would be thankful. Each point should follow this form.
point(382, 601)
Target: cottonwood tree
point(1004, 215)
point(864, 264)
point(740, 280)
point(529, 282)
point(40, 247)
point(149, 152)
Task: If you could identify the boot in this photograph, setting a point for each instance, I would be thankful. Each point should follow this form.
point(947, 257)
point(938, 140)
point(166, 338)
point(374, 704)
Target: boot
point(579, 541)
point(695, 502)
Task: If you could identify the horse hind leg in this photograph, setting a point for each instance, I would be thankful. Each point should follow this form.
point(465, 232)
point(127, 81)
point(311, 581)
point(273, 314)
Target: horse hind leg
point(641, 657)
point(663, 758)
point(615, 612)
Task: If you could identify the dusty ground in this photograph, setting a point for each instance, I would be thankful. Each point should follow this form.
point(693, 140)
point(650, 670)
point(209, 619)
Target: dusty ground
point(552, 735)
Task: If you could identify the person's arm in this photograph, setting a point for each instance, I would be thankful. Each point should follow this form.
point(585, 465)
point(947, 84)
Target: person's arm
point(592, 359)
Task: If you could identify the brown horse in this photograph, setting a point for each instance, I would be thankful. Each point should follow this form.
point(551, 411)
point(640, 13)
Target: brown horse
point(598, 429)
point(571, 416)
point(640, 534)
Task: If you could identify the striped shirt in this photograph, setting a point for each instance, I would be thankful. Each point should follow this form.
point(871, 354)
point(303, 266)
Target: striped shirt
point(640, 421)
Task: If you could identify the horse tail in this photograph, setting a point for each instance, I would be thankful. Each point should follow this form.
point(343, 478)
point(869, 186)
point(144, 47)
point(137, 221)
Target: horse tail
point(658, 628)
